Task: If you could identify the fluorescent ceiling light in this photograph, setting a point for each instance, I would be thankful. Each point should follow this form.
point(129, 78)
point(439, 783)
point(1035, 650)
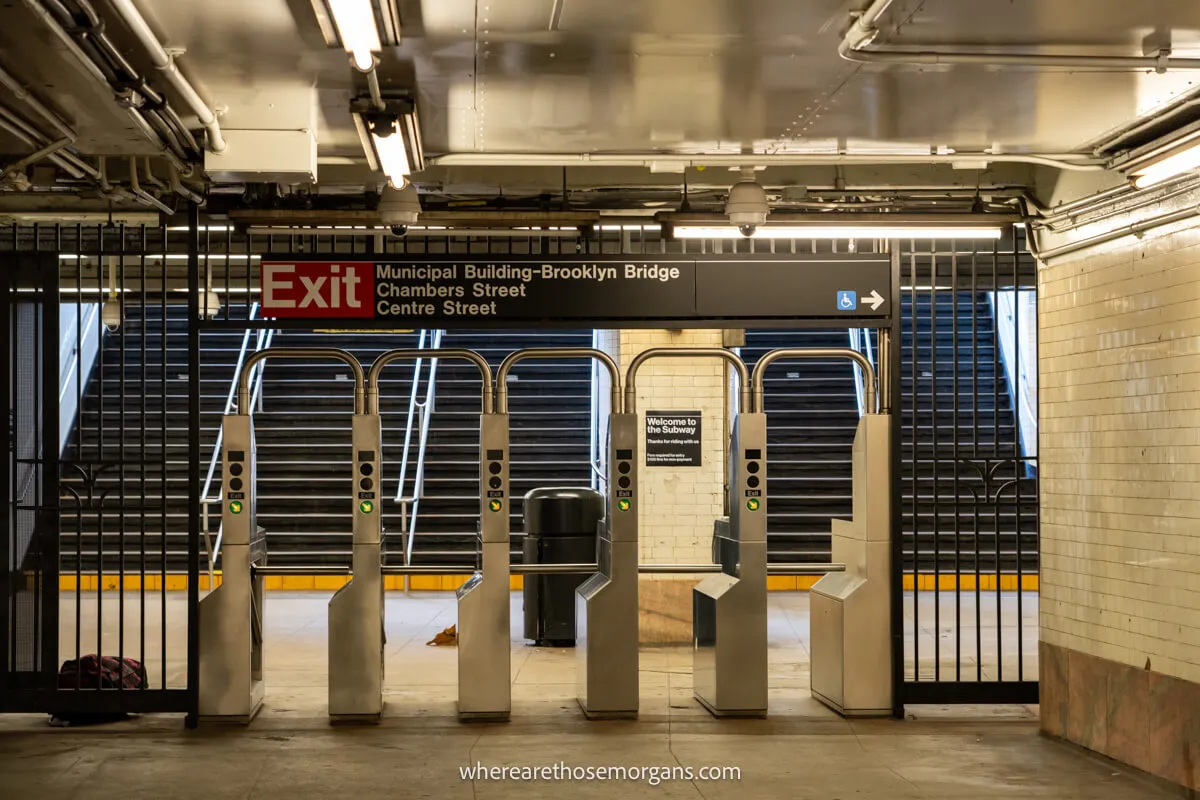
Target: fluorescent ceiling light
point(393, 156)
point(1178, 163)
point(355, 20)
point(133, 259)
point(839, 232)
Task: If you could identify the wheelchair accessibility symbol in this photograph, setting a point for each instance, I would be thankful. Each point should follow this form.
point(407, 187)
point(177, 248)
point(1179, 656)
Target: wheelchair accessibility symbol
point(847, 301)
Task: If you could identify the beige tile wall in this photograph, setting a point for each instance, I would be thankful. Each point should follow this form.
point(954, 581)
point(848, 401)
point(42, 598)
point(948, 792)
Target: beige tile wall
point(1120, 454)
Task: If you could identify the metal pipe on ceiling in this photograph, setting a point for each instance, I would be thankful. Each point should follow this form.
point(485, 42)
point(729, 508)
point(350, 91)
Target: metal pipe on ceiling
point(73, 47)
point(1057, 160)
point(19, 129)
point(165, 62)
point(865, 30)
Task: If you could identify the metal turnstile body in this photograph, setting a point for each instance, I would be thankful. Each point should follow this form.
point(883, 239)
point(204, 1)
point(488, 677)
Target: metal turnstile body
point(729, 655)
point(231, 667)
point(850, 612)
point(356, 611)
point(606, 604)
point(484, 634)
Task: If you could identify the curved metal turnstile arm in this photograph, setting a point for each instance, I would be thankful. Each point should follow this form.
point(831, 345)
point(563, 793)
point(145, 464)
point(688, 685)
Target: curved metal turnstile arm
point(231, 682)
point(686, 352)
point(484, 690)
point(772, 356)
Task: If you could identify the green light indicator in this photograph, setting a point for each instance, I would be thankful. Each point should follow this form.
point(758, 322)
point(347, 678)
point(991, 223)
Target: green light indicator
point(366, 506)
point(623, 504)
point(236, 506)
point(752, 504)
point(495, 505)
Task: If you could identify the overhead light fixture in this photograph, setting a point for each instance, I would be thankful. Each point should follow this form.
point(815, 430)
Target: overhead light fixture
point(1178, 162)
point(838, 232)
point(1164, 158)
point(392, 154)
point(355, 21)
point(391, 138)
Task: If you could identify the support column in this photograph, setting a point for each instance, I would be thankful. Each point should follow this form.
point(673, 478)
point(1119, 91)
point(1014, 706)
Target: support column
point(679, 504)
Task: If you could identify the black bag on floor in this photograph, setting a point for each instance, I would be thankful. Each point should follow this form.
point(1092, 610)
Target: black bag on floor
point(98, 672)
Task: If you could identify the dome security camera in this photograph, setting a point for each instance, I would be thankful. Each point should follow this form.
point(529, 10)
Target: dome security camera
point(399, 208)
point(747, 205)
point(747, 230)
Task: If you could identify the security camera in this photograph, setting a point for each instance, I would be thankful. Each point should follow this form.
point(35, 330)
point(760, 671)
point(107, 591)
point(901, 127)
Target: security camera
point(747, 205)
point(747, 230)
point(399, 208)
point(210, 305)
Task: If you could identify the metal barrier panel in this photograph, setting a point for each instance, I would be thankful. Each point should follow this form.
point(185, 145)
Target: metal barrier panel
point(968, 554)
point(100, 437)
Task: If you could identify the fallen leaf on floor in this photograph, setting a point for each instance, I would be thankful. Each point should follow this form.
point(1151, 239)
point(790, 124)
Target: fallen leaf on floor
point(447, 638)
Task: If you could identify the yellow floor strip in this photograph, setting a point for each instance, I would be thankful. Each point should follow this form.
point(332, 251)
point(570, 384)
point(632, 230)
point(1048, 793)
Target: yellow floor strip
point(434, 583)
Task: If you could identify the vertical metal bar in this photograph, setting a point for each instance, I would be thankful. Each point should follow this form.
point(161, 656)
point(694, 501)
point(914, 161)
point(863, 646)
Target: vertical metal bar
point(193, 457)
point(143, 459)
point(896, 488)
point(914, 480)
point(162, 466)
point(955, 461)
point(121, 504)
point(937, 472)
point(975, 546)
point(48, 513)
point(98, 499)
point(996, 454)
point(7, 427)
point(79, 417)
point(1018, 465)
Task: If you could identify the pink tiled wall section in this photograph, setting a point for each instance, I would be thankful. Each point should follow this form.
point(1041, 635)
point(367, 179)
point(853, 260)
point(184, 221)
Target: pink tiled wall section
point(1143, 718)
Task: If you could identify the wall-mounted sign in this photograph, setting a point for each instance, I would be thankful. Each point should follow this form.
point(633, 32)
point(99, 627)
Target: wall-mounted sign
point(451, 291)
point(673, 439)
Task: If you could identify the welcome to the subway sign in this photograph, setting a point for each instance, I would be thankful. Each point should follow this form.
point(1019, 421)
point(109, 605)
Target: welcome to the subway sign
point(670, 288)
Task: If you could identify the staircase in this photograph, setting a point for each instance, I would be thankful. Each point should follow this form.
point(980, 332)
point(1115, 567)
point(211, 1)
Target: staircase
point(812, 413)
point(549, 416)
point(959, 451)
point(121, 473)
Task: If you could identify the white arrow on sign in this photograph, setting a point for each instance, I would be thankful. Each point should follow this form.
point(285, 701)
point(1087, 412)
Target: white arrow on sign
point(874, 299)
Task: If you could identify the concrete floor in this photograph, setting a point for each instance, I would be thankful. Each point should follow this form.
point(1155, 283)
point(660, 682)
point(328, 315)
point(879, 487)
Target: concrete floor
point(801, 751)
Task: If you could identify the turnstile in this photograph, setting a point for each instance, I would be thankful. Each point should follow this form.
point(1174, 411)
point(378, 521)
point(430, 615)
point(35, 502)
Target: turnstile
point(606, 623)
point(231, 685)
point(729, 609)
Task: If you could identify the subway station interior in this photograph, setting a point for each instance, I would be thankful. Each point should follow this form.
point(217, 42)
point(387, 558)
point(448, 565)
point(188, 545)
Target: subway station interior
point(564, 398)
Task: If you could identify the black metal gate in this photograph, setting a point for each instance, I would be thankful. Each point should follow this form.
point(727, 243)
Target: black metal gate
point(83, 546)
point(967, 559)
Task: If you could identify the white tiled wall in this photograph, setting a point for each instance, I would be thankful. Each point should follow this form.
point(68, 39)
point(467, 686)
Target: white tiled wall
point(1120, 454)
point(678, 504)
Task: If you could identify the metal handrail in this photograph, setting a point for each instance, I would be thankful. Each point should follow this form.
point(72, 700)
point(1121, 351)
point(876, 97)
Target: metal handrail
point(417, 408)
point(860, 340)
point(686, 352)
point(372, 407)
point(211, 550)
point(411, 504)
point(585, 569)
point(816, 352)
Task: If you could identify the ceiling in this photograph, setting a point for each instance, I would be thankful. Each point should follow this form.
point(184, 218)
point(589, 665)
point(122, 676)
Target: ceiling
point(499, 81)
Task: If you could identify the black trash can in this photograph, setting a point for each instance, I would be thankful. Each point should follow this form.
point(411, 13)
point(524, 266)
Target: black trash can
point(560, 528)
